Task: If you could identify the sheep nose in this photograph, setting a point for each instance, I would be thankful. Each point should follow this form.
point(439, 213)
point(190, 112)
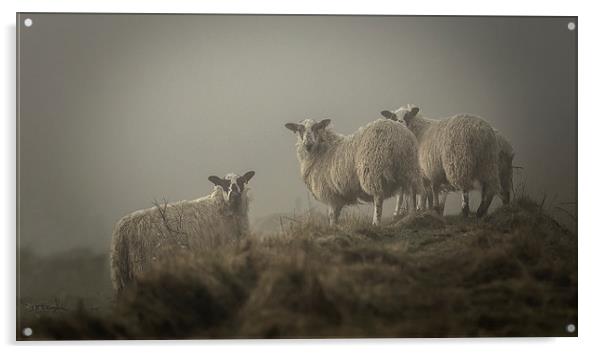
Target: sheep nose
point(308, 147)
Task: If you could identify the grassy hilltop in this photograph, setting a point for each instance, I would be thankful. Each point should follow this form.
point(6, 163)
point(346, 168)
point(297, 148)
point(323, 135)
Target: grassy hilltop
point(512, 274)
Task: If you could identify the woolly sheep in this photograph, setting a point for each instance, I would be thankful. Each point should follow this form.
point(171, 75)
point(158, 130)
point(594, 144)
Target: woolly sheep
point(370, 165)
point(146, 235)
point(505, 169)
point(455, 151)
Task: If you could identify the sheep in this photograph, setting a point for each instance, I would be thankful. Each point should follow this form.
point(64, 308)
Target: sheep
point(505, 169)
point(147, 235)
point(455, 151)
point(370, 165)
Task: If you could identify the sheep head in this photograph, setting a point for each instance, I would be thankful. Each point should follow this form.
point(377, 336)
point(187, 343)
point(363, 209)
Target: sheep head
point(403, 114)
point(310, 134)
point(233, 186)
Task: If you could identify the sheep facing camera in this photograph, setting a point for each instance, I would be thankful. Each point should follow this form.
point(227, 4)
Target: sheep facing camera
point(295, 176)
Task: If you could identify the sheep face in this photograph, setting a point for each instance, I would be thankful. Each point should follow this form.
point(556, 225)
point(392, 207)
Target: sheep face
point(233, 186)
point(310, 134)
point(404, 114)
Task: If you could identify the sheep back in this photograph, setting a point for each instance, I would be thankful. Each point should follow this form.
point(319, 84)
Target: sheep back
point(386, 158)
point(460, 150)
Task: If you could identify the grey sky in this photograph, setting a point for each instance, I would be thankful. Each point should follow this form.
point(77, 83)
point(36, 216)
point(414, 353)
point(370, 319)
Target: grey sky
point(118, 110)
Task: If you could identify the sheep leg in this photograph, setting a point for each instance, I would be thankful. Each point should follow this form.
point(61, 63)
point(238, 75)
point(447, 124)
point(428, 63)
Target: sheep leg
point(413, 201)
point(443, 200)
point(399, 205)
point(422, 202)
point(334, 211)
point(428, 196)
point(435, 197)
point(378, 210)
point(486, 198)
point(465, 203)
point(505, 197)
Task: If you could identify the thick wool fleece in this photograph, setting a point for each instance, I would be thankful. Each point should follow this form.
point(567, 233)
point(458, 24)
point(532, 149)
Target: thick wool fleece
point(457, 151)
point(145, 236)
point(376, 161)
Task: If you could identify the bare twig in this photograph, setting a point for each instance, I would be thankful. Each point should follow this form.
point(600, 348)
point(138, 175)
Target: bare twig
point(281, 225)
point(309, 207)
point(164, 218)
point(568, 213)
point(289, 218)
point(543, 200)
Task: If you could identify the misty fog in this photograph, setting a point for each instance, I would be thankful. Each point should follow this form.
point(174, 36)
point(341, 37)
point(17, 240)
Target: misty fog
point(116, 111)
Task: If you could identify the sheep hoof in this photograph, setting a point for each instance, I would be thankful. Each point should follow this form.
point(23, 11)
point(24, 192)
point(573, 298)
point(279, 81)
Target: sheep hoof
point(465, 212)
point(399, 214)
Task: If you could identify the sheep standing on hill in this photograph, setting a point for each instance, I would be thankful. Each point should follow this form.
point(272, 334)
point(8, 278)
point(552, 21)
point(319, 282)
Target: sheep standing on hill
point(370, 165)
point(144, 236)
point(456, 151)
point(505, 168)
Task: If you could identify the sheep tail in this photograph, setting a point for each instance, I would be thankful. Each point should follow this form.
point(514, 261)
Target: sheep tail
point(120, 263)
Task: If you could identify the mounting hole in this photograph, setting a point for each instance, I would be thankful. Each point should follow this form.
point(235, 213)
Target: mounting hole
point(28, 22)
point(570, 328)
point(27, 332)
point(571, 26)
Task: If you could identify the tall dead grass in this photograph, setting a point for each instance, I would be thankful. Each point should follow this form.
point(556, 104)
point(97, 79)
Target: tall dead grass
point(513, 274)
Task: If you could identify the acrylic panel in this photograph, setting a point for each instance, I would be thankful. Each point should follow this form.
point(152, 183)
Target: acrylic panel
point(185, 176)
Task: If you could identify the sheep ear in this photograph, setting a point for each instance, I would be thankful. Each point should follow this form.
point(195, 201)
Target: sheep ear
point(218, 181)
point(247, 176)
point(389, 115)
point(294, 127)
point(323, 124)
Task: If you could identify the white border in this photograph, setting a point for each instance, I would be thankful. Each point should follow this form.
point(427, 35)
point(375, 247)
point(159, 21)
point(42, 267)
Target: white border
point(589, 170)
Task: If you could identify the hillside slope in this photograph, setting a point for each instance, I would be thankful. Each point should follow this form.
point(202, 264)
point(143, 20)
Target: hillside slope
point(512, 274)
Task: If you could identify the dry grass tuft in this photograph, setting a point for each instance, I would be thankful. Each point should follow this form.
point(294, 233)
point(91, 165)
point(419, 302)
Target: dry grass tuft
point(513, 274)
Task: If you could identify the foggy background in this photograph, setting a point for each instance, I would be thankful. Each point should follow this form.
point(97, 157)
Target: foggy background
point(118, 110)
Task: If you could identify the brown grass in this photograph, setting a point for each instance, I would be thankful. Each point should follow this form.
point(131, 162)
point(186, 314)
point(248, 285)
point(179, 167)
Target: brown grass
point(513, 274)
